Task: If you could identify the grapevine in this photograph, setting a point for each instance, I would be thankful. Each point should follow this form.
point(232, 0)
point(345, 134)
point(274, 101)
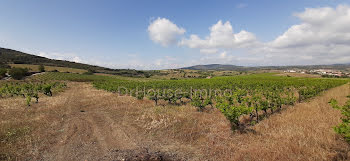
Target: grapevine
point(28, 90)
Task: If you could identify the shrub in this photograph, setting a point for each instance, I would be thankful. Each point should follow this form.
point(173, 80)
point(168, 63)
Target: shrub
point(344, 127)
point(2, 73)
point(41, 68)
point(18, 73)
point(91, 71)
point(55, 70)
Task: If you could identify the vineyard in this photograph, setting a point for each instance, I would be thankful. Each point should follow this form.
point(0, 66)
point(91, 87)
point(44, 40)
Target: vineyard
point(29, 90)
point(207, 116)
point(255, 96)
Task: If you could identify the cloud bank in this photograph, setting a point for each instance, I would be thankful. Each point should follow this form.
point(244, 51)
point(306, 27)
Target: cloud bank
point(321, 37)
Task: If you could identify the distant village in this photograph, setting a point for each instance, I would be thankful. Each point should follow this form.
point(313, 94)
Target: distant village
point(323, 72)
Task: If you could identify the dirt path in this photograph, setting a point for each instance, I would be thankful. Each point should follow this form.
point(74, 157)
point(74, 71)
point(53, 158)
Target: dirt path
point(81, 123)
point(90, 130)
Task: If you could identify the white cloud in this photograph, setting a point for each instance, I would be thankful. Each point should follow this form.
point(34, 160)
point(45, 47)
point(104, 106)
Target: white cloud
point(208, 51)
point(241, 5)
point(323, 26)
point(164, 32)
point(62, 56)
point(321, 37)
point(221, 36)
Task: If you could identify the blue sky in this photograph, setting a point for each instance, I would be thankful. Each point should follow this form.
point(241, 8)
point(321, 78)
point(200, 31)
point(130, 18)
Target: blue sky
point(115, 33)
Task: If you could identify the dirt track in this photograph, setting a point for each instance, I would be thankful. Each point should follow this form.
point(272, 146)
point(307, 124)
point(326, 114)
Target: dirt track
point(89, 132)
point(83, 123)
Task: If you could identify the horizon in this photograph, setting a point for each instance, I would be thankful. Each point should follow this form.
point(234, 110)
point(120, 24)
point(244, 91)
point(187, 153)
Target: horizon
point(172, 35)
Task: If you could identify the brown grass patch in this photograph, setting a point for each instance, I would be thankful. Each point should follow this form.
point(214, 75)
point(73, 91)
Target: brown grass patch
point(302, 132)
point(300, 75)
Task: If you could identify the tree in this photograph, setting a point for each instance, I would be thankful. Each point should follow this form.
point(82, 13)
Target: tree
point(41, 68)
point(18, 73)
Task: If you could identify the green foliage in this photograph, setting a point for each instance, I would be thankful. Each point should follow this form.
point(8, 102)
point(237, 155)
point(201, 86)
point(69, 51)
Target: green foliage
point(47, 89)
point(41, 68)
point(18, 73)
point(29, 90)
point(28, 100)
point(9, 56)
point(248, 94)
point(90, 72)
point(334, 76)
point(3, 72)
point(201, 102)
point(344, 127)
point(232, 110)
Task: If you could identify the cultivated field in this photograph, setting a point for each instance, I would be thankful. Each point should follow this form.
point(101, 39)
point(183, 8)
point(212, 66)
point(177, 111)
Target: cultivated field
point(279, 118)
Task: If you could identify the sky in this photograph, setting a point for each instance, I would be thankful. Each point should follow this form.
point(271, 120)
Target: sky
point(163, 34)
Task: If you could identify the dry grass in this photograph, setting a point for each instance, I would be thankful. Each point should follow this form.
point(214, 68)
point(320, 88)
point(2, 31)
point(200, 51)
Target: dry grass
point(35, 68)
point(56, 129)
point(302, 132)
point(300, 75)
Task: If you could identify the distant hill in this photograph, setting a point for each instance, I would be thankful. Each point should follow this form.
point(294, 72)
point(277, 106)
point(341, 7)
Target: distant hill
point(9, 56)
point(342, 67)
point(217, 67)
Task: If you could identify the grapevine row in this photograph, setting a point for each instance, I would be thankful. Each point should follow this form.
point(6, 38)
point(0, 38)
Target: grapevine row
point(29, 90)
point(253, 95)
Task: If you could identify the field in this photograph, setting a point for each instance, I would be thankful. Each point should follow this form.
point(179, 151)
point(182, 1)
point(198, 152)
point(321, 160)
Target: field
point(101, 117)
point(35, 68)
point(300, 75)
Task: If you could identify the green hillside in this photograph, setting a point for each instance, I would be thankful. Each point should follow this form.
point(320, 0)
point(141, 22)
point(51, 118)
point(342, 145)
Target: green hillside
point(9, 56)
